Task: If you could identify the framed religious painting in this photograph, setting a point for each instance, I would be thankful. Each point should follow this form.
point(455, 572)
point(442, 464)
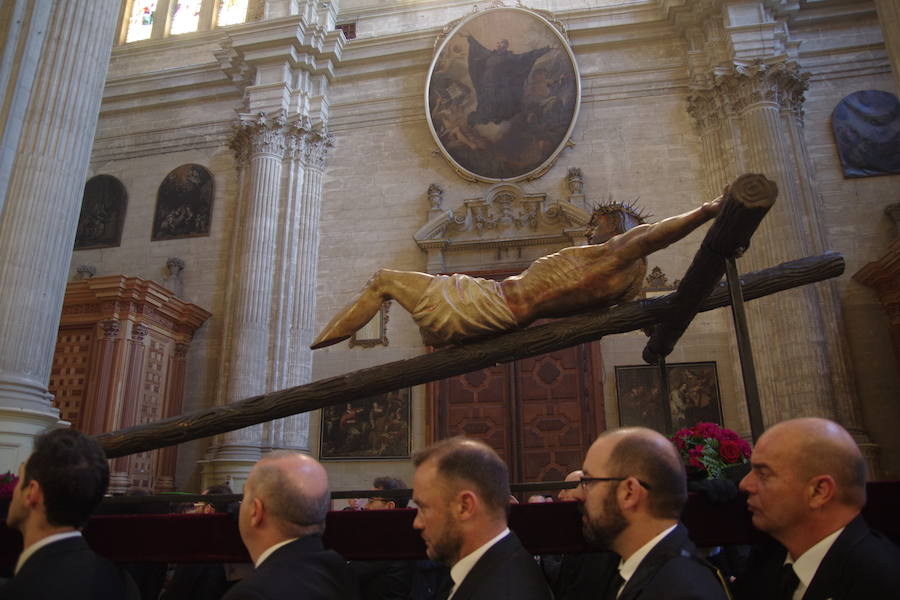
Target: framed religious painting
point(693, 396)
point(102, 213)
point(372, 428)
point(502, 94)
point(183, 204)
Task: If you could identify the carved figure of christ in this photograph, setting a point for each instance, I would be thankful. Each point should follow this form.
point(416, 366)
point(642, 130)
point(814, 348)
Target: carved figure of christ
point(610, 270)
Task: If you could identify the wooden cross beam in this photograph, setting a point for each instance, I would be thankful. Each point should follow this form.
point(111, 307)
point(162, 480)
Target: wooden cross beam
point(507, 347)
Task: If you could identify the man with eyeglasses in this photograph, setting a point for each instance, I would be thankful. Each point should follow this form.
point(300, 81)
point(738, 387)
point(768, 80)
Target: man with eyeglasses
point(633, 491)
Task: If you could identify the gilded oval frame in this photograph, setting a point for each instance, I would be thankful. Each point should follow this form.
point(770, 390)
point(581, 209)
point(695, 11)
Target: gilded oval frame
point(505, 114)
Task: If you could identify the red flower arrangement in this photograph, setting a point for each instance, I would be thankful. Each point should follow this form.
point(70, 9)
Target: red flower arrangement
point(707, 449)
point(8, 483)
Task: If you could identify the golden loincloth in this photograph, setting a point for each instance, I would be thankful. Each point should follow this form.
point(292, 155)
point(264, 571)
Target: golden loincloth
point(458, 307)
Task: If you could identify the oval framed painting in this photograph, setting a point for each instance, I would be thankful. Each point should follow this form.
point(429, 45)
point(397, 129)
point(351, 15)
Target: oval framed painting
point(502, 95)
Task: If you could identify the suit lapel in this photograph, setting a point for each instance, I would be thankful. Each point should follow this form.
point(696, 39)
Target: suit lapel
point(669, 546)
point(825, 581)
point(489, 561)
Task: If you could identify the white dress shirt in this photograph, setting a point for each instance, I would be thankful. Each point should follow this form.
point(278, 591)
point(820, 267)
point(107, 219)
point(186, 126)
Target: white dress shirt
point(459, 571)
point(808, 563)
point(30, 550)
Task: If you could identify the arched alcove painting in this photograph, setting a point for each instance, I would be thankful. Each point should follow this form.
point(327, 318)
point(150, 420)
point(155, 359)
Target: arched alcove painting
point(102, 213)
point(183, 204)
point(866, 126)
point(502, 95)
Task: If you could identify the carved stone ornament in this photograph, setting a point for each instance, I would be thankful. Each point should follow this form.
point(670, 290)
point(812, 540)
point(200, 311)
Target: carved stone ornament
point(435, 196)
point(657, 280)
point(86, 271)
point(779, 84)
point(502, 94)
point(575, 181)
point(315, 151)
point(258, 134)
point(505, 217)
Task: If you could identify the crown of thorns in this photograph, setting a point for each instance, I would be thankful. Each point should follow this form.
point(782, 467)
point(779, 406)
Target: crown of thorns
point(629, 208)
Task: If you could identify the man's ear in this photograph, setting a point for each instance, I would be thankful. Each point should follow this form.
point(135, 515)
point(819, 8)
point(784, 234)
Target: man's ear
point(391, 504)
point(631, 494)
point(821, 489)
point(257, 512)
point(466, 505)
point(32, 494)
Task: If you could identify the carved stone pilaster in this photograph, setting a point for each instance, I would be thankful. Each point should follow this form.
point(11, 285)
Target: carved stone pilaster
point(258, 135)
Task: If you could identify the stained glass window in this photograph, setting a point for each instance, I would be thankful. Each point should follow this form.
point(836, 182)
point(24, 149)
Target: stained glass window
point(140, 23)
point(232, 12)
point(186, 16)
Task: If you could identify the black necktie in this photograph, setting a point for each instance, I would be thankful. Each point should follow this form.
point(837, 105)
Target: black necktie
point(612, 590)
point(787, 582)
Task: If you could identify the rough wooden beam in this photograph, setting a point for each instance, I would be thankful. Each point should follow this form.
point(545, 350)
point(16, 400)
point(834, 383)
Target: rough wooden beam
point(451, 361)
point(745, 204)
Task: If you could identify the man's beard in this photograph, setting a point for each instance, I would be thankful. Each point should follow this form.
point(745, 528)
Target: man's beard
point(446, 548)
point(603, 530)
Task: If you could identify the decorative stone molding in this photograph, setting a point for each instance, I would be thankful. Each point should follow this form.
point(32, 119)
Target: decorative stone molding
point(780, 84)
point(505, 217)
point(575, 181)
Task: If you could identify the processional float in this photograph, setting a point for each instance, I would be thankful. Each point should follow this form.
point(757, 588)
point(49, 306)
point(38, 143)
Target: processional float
point(745, 203)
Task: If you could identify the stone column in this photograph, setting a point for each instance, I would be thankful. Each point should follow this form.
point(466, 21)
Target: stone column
point(43, 199)
point(889, 16)
point(259, 140)
point(751, 121)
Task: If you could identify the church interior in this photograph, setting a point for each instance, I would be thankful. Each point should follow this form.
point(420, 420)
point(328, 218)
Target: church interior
point(190, 190)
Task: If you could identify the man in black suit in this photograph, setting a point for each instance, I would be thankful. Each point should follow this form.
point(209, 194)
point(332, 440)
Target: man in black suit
point(806, 489)
point(281, 520)
point(633, 491)
point(461, 489)
point(60, 485)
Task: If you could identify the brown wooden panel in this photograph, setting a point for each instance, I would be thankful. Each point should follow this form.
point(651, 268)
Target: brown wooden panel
point(539, 413)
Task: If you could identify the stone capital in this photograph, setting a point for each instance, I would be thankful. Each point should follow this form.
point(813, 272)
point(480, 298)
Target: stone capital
point(315, 151)
point(778, 84)
point(259, 135)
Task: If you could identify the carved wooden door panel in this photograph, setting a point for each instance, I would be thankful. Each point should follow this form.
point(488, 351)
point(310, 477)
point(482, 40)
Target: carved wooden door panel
point(540, 414)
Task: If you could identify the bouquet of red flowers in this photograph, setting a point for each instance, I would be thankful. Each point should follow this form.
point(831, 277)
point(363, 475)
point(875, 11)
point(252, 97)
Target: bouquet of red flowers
point(707, 449)
point(8, 482)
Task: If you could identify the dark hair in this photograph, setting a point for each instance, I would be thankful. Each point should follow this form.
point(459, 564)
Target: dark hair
point(459, 459)
point(301, 513)
point(648, 460)
point(72, 471)
point(392, 483)
point(221, 489)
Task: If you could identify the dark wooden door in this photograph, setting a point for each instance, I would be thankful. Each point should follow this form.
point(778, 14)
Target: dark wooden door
point(540, 414)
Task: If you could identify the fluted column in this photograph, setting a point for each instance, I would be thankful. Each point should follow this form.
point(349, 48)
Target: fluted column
point(801, 358)
point(260, 141)
point(889, 17)
point(43, 198)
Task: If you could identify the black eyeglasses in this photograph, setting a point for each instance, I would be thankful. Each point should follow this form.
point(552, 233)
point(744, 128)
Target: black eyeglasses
point(587, 481)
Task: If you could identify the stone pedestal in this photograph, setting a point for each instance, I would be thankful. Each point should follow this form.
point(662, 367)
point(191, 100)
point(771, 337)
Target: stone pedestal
point(43, 198)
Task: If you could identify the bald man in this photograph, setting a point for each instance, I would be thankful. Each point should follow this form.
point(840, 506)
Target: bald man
point(282, 518)
point(568, 494)
point(806, 489)
point(461, 489)
point(633, 491)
